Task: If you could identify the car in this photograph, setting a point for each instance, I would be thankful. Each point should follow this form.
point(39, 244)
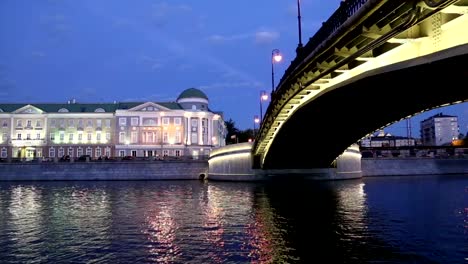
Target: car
point(128, 158)
point(65, 158)
point(84, 157)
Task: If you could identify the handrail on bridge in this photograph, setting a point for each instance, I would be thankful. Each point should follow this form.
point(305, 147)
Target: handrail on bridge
point(339, 17)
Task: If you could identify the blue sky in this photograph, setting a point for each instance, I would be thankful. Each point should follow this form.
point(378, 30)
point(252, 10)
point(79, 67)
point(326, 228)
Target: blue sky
point(151, 50)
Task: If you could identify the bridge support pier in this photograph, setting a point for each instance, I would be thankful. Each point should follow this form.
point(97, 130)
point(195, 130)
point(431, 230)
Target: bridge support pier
point(235, 163)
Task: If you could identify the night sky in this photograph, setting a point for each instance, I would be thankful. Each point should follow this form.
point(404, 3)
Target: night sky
point(150, 50)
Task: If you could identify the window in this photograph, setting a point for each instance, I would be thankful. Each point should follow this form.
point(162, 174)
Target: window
point(62, 123)
point(98, 136)
point(108, 123)
point(52, 136)
point(194, 122)
point(4, 123)
point(38, 136)
point(4, 153)
point(19, 123)
point(90, 136)
point(99, 110)
point(165, 136)
point(99, 123)
point(177, 121)
point(80, 136)
point(80, 123)
point(177, 153)
point(18, 136)
point(61, 152)
point(89, 151)
point(51, 152)
point(121, 153)
point(52, 123)
point(89, 123)
point(70, 152)
point(122, 137)
point(177, 137)
point(134, 121)
point(28, 123)
point(122, 121)
point(79, 152)
point(165, 121)
point(98, 152)
point(5, 137)
point(134, 153)
point(70, 136)
point(38, 123)
point(107, 151)
point(108, 135)
point(150, 121)
point(194, 138)
point(28, 136)
point(62, 136)
point(134, 137)
point(71, 123)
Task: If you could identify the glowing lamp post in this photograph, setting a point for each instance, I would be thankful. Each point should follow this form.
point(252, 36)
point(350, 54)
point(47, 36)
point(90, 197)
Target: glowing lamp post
point(275, 58)
point(256, 121)
point(263, 97)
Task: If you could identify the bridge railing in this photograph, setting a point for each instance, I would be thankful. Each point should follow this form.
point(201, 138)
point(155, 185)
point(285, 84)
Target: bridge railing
point(338, 18)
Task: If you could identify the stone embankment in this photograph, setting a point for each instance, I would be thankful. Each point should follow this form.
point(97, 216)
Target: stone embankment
point(115, 170)
point(198, 169)
point(413, 166)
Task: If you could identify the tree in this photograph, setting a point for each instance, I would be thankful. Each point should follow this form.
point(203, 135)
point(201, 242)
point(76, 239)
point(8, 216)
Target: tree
point(232, 132)
point(245, 135)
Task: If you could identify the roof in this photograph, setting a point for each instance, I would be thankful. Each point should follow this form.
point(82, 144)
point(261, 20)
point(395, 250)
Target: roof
point(82, 107)
point(192, 93)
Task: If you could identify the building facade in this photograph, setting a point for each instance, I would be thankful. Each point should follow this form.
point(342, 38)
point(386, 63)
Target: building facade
point(382, 140)
point(186, 127)
point(439, 130)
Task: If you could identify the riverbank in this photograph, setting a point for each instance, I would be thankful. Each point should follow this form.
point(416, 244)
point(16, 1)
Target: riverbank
point(131, 170)
point(413, 166)
point(198, 169)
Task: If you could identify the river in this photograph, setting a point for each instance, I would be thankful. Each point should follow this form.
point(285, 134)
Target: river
point(404, 219)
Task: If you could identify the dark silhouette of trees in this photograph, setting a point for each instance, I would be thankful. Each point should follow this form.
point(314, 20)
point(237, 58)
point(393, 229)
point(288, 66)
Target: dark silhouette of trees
point(232, 132)
point(234, 135)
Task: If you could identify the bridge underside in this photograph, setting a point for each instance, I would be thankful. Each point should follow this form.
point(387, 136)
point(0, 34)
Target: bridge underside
point(320, 130)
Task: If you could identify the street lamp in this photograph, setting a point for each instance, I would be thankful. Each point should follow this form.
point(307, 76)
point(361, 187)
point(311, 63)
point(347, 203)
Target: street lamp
point(275, 57)
point(263, 97)
point(256, 121)
point(299, 23)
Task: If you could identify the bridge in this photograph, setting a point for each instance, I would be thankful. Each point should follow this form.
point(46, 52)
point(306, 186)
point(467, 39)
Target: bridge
point(371, 64)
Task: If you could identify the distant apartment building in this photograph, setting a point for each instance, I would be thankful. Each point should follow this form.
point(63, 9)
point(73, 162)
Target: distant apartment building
point(439, 130)
point(186, 127)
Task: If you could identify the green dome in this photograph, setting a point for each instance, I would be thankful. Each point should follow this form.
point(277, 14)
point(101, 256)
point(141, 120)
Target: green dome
point(192, 93)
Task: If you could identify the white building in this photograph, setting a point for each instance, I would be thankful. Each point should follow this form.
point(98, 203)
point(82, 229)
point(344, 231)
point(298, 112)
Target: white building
point(439, 130)
point(186, 127)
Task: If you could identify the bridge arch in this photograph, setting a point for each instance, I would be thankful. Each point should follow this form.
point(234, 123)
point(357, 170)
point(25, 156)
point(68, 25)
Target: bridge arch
point(322, 128)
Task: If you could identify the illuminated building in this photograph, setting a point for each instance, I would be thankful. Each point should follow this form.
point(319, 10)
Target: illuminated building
point(186, 127)
point(439, 130)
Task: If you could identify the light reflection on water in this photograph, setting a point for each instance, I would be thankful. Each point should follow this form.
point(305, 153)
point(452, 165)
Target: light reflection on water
point(359, 221)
